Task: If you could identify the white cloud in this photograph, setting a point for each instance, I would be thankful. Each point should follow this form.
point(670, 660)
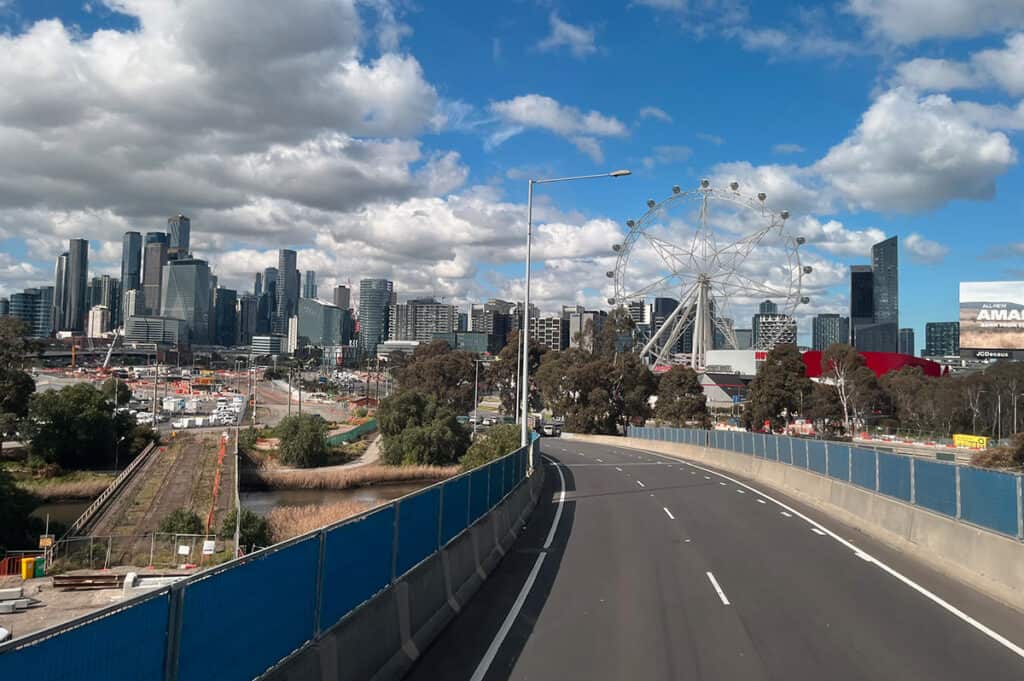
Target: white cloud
point(579, 39)
point(924, 250)
point(936, 75)
point(913, 154)
point(655, 113)
point(788, 148)
point(835, 238)
point(911, 21)
point(667, 154)
point(537, 111)
point(711, 139)
point(1004, 66)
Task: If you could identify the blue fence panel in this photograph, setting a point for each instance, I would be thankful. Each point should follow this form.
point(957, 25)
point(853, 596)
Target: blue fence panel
point(748, 443)
point(771, 447)
point(357, 563)
point(497, 490)
point(894, 475)
point(839, 461)
point(989, 499)
point(799, 447)
point(786, 450)
point(455, 509)
point(478, 491)
point(863, 465)
point(510, 473)
point(271, 598)
point(735, 440)
point(758, 450)
point(935, 486)
point(418, 517)
point(816, 456)
point(128, 644)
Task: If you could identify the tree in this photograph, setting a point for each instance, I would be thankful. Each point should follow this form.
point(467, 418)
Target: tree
point(447, 374)
point(503, 374)
point(117, 391)
point(856, 385)
point(681, 399)
point(825, 410)
point(779, 389)
point(494, 444)
point(15, 345)
point(72, 427)
point(253, 530)
point(15, 506)
point(418, 430)
point(182, 521)
point(303, 440)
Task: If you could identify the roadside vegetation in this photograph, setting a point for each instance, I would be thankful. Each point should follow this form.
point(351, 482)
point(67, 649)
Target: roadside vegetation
point(494, 444)
point(286, 522)
point(343, 478)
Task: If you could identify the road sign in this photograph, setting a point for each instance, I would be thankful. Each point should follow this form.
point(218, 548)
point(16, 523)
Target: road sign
point(208, 545)
point(184, 550)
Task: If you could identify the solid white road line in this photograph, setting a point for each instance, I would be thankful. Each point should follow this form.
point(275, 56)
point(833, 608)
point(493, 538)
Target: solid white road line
point(718, 589)
point(815, 530)
point(934, 598)
point(640, 483)
point(513, 613)
point(668, 513)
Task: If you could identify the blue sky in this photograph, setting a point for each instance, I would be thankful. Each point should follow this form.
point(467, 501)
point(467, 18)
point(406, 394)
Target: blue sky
point(394, 139)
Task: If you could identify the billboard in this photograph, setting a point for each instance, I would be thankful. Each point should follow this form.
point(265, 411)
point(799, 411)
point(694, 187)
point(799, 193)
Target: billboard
point(992, 319)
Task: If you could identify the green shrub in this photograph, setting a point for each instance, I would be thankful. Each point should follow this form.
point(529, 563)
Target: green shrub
point(497, 442)
point(182, 521)
point(253, 532)
point(303, 441)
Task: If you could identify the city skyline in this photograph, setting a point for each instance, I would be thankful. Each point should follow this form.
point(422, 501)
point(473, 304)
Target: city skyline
point(422, 186)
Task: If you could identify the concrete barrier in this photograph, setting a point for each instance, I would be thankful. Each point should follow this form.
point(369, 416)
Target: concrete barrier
point(988, 561)
point(381, 639)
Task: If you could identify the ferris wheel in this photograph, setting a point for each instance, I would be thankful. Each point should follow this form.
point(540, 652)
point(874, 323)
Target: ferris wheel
point(707, 253)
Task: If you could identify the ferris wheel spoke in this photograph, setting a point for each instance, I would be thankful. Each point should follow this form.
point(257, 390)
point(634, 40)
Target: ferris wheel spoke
point(665, 252)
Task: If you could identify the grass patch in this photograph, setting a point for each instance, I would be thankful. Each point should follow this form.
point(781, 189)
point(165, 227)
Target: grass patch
point(73, 485)
point(344, 479)
point(291, 521)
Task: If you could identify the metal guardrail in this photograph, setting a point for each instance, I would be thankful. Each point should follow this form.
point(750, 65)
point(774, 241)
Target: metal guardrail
point(97, 505)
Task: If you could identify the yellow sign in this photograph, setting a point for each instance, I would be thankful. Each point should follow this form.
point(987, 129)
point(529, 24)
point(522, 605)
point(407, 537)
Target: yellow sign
point(970, 441)
point(45, 541)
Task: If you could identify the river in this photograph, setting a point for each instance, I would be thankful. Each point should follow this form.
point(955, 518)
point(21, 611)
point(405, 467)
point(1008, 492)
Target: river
point(262, 502)
point(64, 512)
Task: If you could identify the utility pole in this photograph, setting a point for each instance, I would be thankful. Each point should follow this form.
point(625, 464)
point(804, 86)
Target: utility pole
point(289, 391)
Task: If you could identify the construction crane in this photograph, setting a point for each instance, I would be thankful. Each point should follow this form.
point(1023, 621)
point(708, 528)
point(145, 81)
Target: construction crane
point(110, 350)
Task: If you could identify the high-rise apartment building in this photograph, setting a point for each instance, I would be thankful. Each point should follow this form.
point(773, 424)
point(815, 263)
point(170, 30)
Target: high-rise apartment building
point(77, 280)
point(375, 298)
point(34, 306)
point(885, 275)
point(879, 330)
point(131, 304)
point(744, 339)
point(550, 332)
point(495, 317)
point(420, 319)
point(154, 260)
point(156, 238)
point(225, 316)
point(309, 284)
point(179, 233)
point(906, 346)
point(185, 295)
point(60, 286)
point(320, 324)
point(98, 321)
point(5, 307)
point(287, 295)
point(941, 339)
point(828, 329)
point(661, 310)
point(342, 297)
point(862, 298)
point(257, 289)
point(585, 327)
point(246, 316)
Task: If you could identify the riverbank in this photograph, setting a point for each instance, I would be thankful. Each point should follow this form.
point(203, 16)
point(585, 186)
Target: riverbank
point(342, 478)
point(76, 486)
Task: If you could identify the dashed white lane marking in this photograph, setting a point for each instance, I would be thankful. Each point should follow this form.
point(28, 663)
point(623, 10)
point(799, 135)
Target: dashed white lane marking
point(718, 589)
point(513, 613)
point(600, 460)
point(640, 483)
point(618, 469)
point(707, 477)
point(739, 491)
point(934, 598)
point(668, 513)
point(761, 501)
point(722, 483)
point(815, 530)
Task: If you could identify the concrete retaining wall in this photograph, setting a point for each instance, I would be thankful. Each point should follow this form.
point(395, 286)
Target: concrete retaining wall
point(381, 639)
point(987, 561)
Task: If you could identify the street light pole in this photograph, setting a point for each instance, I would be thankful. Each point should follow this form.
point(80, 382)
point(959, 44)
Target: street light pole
point(476, 399)
point(524, 327)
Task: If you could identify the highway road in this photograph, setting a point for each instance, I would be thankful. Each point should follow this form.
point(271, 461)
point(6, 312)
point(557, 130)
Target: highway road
point(651, 568)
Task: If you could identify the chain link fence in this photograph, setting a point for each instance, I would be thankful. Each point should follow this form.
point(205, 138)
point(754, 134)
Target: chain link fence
point(159, 550)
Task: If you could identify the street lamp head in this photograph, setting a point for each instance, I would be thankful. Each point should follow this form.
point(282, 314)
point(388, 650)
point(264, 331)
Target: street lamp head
point(620, 173)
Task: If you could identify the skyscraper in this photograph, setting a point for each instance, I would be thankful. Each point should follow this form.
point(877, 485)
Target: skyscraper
point(660, 312)
point(60, 286)
point(246, 319)
point(309, 284)
point(185, 295)
point(131, 261)
point(225, 316)
point(77, 280)
point(257, 288)
point(885, 274)
point(34, 306)
point(153, 262)
point(862, 299)
point(179, 232)
point(772, 330)
point(156, 238)
point(375, 297)
point(766, 310)
point(287, 290)
point(879, 331)
point(827, 329)
point(941, 339)
point(906, 342)
point(342, 297)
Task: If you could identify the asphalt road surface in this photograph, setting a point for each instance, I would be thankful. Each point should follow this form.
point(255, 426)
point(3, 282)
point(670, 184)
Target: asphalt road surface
point(657, 569)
